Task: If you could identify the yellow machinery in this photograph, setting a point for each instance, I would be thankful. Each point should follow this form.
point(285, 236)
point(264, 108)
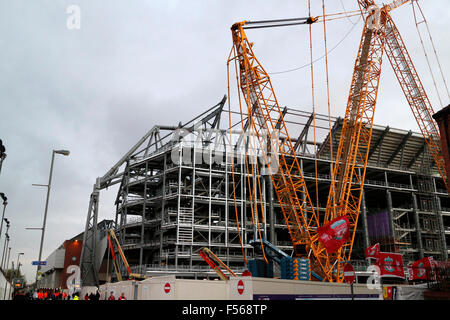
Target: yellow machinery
point(114, 246)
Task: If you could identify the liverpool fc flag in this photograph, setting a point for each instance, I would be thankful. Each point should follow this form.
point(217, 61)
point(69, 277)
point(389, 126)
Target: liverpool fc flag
point(421, 269)
point(390, 264)
point(334, 234)
point(373, 251)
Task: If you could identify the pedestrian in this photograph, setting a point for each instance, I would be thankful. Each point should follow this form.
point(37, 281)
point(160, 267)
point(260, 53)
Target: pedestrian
point(122, 297)
point(35, 295)
point(111, 296)
point(97, 295)
point(91, 296)
point(86, 297)
point(64, 295)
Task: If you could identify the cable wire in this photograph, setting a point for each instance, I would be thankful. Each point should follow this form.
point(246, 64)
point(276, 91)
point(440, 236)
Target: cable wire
point(434, 48)
point(321, 57)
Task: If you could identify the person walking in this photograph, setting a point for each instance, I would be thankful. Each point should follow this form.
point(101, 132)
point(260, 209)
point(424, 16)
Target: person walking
point(86, 297)
point(122, 297)
point(111, 296)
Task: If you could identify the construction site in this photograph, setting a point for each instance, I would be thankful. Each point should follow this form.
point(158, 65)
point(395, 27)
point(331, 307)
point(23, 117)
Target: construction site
point(253, 200)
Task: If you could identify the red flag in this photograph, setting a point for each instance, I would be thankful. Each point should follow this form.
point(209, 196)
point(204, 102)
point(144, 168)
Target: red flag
point(390, 264)
point(373, 251)
point(421, 269)
point(334, 234)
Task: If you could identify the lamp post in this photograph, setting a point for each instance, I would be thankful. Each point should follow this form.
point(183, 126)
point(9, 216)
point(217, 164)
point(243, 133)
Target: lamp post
point(4, 249)
point(2, 154)
point(11, 273)
point(5, 243)
point(7, 259)
point(5, 202)
point(18, 264)
point(64, 153)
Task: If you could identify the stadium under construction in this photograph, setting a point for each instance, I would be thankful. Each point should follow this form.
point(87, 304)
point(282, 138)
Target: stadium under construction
point(176, 196)
point(285, 193)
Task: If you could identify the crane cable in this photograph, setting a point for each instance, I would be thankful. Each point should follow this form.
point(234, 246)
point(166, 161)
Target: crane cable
point(321, 57)
point(253, 187)
point(232, 153)
point(424, 50)
point(313, 104)
point(348, 17)
point(328, 94)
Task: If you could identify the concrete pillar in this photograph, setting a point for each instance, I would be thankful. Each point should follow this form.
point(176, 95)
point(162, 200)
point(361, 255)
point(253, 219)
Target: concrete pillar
point(441, 228)
point(389, 207)
point(271, 210)
point(365, 227)
point(417, 225)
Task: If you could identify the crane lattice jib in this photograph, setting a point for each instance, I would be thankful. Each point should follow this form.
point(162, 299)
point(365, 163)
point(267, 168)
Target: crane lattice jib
point(300, 216)
point(351, 159)
point(415, 94)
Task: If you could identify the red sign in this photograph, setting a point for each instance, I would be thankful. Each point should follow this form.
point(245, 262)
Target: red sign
point(240, 287)
point(390, 264)
point(167, 287)
point(334, 234)
point(373, 251)
point(349, 273)
point(421, 269)
point(246, 273)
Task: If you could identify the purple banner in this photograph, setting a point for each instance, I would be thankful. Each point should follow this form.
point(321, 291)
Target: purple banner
point(378, 225)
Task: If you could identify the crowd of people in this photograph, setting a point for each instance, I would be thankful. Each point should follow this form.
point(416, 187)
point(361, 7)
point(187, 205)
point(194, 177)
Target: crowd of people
point(112, 297)
point(55, 294)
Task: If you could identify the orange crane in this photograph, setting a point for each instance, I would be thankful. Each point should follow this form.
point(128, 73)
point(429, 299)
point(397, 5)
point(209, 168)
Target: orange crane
point(213, 261)
point(114, 246)
point(303, 221)
point(379, 35)
point(299, 213)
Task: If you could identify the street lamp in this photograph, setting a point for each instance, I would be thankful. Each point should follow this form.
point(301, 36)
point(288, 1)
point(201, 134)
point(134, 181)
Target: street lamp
point(4, 249)
point(2, 154)
point(7, 259)
point(64, 153)
point(5, 243)
point(18, 265)
point(5, 202)
point(11, 273)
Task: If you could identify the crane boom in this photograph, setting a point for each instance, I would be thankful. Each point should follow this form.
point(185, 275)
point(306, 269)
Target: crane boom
point(346, 188)
point(114, 245)
point(415, 94)
point(300, 216)
point(213, 261)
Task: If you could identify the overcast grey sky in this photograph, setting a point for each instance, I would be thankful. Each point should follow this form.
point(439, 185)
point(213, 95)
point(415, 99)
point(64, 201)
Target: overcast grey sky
point(133, 64)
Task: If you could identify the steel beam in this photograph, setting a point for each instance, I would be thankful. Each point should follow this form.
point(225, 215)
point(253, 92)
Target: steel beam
point(399, 147)
point(378, 142)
